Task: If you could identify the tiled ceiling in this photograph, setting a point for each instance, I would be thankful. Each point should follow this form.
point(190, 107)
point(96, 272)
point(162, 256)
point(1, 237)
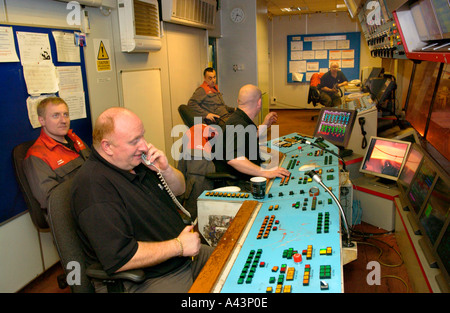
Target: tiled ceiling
point(304, 6)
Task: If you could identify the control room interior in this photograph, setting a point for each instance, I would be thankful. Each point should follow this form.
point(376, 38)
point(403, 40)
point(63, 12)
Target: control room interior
point(395, 55)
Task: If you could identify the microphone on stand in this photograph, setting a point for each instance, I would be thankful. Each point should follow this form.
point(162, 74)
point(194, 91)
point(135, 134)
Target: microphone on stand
point(318, 180)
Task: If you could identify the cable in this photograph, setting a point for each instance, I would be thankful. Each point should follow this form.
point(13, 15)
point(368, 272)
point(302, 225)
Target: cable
point(166, 186)
point(327, 150)
point(385, 264)
point(381, 253)
point(362, 121)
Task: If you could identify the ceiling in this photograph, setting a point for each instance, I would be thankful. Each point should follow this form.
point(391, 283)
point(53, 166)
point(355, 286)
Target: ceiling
point(307, 6)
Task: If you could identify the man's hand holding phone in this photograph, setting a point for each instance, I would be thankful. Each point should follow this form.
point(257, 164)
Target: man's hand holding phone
point(156, 157)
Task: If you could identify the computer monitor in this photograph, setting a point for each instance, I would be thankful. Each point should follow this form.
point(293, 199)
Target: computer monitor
point(385, 158)
point(413, 160)
point(421, 185)
point(335, 125)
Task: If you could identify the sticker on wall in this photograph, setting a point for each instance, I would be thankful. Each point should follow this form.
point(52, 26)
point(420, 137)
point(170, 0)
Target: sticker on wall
point(103, 61)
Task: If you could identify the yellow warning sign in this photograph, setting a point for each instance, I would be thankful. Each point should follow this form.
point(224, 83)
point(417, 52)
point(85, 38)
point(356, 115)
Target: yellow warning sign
point(103, 61)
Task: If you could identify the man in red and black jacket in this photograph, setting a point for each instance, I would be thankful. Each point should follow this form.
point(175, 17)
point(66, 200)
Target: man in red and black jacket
point(58, 152)
point(207, 100)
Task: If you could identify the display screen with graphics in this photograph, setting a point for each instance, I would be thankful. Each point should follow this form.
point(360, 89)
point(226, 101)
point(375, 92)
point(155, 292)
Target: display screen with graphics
point(385, 158)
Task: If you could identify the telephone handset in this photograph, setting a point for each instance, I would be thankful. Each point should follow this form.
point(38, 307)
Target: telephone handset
point(167, 188)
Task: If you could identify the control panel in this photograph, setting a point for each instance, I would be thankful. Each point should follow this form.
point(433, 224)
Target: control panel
point(381, 32)
point(293, 244)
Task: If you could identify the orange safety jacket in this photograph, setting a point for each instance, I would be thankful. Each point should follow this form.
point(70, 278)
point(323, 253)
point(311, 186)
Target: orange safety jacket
point(48, 163)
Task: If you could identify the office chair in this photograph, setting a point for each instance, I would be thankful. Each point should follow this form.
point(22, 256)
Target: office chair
point(197, 166)
point(69, 248)
point(38, 215)
point(186, 115)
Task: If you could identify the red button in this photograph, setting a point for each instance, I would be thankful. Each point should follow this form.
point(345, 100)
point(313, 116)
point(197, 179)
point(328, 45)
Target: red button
point(297, 257)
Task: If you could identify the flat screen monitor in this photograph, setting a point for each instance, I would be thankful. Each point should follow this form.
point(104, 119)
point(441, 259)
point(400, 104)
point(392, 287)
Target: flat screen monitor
point(435, 213)
point(385, 158)
point(413, 160)
point(443, 252)
point(335, 125)
point(421, 185)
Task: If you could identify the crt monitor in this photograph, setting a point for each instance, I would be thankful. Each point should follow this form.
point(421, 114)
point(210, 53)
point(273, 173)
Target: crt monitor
point(335, 125)
point(385, 158)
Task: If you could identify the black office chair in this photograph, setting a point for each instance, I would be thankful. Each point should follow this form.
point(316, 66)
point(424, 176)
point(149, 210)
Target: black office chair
point(69, 248)
point(200, 173)
point(186, 115)
point(38, 215)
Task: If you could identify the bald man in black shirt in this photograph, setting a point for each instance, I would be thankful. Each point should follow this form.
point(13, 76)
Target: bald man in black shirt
point(125, 217)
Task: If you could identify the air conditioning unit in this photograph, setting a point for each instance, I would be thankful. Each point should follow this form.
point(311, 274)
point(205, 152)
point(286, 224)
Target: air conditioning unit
point(139, 25)
point(94, 3)
point(195, 13)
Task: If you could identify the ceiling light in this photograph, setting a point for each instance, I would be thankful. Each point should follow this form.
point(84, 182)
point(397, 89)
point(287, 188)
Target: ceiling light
point(340, 6)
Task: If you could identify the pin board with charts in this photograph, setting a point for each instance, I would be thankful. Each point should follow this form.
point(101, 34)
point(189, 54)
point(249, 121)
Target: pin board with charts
point(309, 54)
point(37, 62)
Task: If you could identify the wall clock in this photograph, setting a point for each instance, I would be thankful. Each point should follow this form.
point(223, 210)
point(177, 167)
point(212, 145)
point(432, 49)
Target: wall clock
point(237, 15)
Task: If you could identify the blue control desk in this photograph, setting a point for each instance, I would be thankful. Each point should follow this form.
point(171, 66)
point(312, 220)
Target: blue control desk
point(288, 242)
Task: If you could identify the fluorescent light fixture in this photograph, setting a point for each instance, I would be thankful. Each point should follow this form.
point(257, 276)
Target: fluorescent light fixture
point(340, 6)
point(294, 9)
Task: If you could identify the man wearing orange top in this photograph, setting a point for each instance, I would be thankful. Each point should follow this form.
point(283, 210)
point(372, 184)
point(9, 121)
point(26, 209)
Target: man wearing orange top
point(57, 153)
point(207, 101)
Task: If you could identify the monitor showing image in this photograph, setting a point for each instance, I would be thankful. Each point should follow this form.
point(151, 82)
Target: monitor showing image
point(385, 158)
point(335, 125)
point(411, 165)
point(436, 211)
point(421, 185)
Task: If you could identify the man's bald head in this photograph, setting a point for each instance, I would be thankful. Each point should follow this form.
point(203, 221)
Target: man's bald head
point(249, 94)
point(106, 123)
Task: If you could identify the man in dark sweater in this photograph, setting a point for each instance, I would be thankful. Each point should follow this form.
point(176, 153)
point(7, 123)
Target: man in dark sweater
point(125, 216)
point(329, 86)
point(241, 140)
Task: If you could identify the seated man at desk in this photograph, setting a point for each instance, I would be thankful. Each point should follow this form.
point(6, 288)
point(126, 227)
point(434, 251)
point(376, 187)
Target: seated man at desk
point(207, 100)
point(57, 154)
point(241, 155)
point(125, 215)
point(329, 86)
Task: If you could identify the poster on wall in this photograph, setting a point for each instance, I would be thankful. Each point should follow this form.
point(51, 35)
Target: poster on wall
point(309, 54)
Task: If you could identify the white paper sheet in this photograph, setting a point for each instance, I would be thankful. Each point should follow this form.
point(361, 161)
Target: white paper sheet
point(308, 55)
point(335, 54)
point(296, 45)
point(296, 55)
point(330, 44)
point(348, 54)
point(343, 44)
point(321, 54)
point(70, 79)
point(76, 103)
point(297, 77)
point(40, 78)
point(34, 48)
point(317, 45)
point(312, 66)
point(297, 66)
point(7, 48)
point(66, 49)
